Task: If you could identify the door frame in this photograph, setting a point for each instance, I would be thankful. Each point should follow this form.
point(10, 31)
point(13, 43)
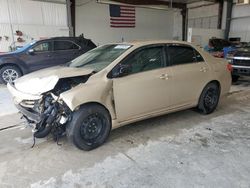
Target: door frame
point(165, 65)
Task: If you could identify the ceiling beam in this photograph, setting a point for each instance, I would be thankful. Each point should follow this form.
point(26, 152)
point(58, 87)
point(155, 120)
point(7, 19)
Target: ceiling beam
point(152, 2)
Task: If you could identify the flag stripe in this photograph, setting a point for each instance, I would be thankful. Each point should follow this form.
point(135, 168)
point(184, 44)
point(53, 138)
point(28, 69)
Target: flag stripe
point(120, 26)
point(127, 16)
point(121, 19)
point(120, 23)
point(126, 9)
point(126, 12)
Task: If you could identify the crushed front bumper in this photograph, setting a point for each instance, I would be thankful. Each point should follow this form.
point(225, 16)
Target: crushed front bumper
point(19, 97)
point(30, 115)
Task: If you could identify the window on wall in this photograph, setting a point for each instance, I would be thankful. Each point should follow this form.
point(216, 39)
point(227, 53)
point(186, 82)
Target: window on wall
point(65, 45)
point(183, 55)
point(146, 59)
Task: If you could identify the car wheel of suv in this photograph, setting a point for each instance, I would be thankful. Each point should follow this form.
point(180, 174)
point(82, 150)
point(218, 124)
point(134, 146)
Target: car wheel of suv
point(209, 98)
point(90, 127)
point(9, 74)
point(235, 78)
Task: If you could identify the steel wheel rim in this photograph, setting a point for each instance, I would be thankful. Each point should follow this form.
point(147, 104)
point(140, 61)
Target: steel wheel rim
point(92, 127)
point(211, 98)
point(10, 75)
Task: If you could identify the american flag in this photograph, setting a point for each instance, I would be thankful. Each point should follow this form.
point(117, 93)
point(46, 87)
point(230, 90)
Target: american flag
point(122, 16)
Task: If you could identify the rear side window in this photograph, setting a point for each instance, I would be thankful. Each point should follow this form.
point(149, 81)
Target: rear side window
point(183, 55)
point(65, 45)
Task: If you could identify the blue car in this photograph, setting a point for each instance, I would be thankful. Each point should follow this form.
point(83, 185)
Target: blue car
point(41, 54)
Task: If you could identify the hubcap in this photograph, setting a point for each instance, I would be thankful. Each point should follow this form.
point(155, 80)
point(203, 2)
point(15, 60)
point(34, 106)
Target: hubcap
point(10, 75)
point(92, 127)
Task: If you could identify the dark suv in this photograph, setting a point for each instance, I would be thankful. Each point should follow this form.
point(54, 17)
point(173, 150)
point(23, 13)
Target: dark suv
point(240, 60)
point(42, 54)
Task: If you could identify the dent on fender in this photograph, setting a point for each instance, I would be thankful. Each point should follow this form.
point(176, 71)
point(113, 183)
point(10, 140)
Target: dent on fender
point(95, 92)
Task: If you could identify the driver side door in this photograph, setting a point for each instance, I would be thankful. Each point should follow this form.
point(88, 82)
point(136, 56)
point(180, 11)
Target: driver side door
point(146, 88)
point(40, 58)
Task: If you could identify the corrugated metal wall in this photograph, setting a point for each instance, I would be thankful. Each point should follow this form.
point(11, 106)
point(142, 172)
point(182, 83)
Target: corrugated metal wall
point(35, 19)
point(205, 17)
point(240, 23)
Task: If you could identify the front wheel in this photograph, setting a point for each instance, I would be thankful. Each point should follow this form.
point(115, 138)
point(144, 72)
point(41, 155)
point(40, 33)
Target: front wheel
point(9, 74)
point(209, 98)
point(90, 127)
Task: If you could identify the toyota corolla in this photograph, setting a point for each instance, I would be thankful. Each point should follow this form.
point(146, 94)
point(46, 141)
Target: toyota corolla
point(117, 84)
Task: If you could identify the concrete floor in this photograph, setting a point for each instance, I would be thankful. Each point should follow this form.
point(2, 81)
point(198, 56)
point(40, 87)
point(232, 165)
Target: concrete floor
point(183, 149)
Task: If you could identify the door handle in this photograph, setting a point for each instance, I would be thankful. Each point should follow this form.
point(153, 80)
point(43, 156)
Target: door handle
point(203, 69)
point(164, 77)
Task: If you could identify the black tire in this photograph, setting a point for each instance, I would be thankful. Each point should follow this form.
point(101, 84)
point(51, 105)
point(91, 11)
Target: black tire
point(209, 98)
point(4, 71)
point(235, 78)
point(90, 127)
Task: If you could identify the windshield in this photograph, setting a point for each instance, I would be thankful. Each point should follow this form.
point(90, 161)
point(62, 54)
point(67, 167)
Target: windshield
point(25, 47)
point(99, 58)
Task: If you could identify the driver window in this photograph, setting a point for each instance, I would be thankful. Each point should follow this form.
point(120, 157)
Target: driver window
point(42, 47)
point(146, 59)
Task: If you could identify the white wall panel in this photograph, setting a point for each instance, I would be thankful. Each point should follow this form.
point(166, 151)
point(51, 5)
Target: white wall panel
point(5, 30)
point(92, 19)
point(205, 16)
point(204, 11)
point(4, 16)
point(34, 18)
point(240, 23)
point(32, 12)
point(54, 14)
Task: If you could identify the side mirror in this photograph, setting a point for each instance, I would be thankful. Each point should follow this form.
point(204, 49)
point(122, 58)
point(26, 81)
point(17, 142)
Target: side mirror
point(31, 51)
point(122, 70)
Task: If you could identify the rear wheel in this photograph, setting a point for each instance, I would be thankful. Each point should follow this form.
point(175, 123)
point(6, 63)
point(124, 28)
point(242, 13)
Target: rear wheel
point(90, 127)
point(9, 74)
point(209, 98)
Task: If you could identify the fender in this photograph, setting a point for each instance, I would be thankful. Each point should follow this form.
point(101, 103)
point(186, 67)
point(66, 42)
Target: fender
point(83, 94)
point(13, 60)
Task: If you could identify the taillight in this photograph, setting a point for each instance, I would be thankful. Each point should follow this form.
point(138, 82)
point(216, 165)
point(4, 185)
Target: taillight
point(229, 67)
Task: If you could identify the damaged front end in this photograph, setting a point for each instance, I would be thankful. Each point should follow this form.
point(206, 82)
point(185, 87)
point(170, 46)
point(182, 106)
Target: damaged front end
point(52, 116)
point(47, 113)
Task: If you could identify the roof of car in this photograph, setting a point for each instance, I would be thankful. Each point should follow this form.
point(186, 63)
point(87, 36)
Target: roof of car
point(148, 42)
point(79, 40)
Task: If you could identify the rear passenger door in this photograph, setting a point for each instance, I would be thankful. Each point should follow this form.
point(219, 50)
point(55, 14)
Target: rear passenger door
point(190, 74)
point(65, 51)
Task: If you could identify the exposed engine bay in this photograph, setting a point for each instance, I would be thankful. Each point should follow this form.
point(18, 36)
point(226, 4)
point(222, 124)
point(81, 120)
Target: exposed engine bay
point(51, 114)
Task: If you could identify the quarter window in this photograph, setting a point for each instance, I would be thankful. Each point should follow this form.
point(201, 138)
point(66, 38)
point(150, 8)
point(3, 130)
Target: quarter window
point(183, 55)
point(65, 45)
point(146, 59)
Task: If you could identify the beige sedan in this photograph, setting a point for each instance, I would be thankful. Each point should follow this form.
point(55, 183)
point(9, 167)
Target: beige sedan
point(117, 84)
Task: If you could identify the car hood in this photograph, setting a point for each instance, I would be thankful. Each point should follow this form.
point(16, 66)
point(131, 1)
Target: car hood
point(7, 55)
point(45, 80)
